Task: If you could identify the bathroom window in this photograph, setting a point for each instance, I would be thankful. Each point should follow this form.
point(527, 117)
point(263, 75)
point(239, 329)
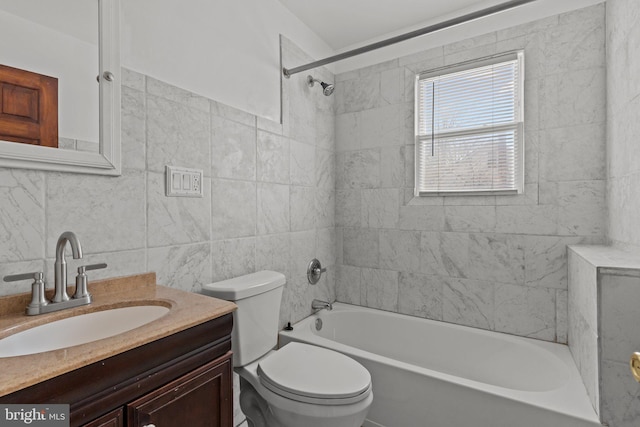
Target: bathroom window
point(469, 128)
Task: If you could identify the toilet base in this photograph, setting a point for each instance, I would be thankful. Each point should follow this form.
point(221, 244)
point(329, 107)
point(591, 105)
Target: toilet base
point(281, 412)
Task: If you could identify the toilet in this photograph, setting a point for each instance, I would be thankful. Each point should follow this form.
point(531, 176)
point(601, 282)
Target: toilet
point(298, 384)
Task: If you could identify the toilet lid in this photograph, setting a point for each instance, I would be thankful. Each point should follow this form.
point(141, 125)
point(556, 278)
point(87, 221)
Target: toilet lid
point(307, 371)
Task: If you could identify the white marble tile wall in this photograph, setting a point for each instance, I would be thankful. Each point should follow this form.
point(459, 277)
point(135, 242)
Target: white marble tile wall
point(623, 107)
point(619, 320)
point(494, 262)
point(583, 320)
point(269, 194)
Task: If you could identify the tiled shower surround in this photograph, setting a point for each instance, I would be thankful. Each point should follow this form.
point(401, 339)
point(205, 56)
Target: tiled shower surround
point(493, 262)
point(277, 195)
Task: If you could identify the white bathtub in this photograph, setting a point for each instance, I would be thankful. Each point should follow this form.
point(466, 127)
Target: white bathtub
point(436, 374)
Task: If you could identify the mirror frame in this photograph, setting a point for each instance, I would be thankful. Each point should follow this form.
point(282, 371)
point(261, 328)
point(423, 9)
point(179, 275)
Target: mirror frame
point(108, 160)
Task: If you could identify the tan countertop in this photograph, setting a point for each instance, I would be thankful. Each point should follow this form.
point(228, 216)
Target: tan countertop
point(186, 310)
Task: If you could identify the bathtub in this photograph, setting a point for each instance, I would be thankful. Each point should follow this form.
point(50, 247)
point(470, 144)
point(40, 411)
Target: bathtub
point(435, 374)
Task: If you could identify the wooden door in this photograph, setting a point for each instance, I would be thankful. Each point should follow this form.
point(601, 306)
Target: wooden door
point(28, 107)
point(202, 398)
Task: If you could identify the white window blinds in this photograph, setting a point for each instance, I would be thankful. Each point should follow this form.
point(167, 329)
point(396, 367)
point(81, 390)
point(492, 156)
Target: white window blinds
point(469, 128)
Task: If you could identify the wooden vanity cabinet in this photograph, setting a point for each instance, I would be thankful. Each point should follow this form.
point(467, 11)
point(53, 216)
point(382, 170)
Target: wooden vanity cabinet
point(181, 380)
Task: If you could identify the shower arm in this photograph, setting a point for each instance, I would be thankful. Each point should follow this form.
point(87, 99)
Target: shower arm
point(410, 35)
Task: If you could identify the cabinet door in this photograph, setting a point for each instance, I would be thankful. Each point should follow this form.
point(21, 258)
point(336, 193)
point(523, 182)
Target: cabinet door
point(112, 419)
point(201, 398)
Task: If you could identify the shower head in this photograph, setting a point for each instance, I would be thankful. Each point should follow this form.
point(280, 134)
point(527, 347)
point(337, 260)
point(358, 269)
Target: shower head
point(327, 88)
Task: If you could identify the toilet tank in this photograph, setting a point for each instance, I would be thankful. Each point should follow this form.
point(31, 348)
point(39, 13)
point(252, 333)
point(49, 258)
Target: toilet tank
point(255, 322)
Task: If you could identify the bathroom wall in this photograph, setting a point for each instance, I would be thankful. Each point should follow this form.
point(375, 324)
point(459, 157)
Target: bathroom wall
point(268, 195)
point(623, 109)
point(493, 262)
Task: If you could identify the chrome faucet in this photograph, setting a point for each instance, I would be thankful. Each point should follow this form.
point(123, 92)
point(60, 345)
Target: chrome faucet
point(61, 300)
point(60, 282)
point(317, 304)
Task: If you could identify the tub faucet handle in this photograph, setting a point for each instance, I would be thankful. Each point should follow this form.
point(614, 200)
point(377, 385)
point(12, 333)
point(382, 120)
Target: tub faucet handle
point(314, 271)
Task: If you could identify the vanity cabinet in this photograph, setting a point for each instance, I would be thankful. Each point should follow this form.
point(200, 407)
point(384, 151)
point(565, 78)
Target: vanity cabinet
point(184, 379)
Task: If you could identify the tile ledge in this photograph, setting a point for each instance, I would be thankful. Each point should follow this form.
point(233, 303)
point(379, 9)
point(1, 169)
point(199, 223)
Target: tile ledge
point(610, 259)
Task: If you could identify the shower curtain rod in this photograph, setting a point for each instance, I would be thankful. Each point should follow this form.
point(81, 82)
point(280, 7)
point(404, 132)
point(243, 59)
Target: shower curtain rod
point(412, 34)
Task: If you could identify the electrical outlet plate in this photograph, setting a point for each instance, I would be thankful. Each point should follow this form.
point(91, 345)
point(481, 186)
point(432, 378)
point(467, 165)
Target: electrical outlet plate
point(183, 182)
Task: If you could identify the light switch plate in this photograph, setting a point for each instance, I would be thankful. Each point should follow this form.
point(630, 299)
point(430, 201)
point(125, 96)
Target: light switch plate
point(183, 182)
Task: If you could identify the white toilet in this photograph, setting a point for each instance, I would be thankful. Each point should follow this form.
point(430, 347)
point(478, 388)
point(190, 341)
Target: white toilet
point(299, 385)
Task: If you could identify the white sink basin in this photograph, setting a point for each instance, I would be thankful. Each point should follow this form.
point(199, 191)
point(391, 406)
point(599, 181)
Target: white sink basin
point(80, 329)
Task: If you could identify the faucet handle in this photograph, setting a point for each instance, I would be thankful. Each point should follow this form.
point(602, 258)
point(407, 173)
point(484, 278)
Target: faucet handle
point(38, 299)
point(82, 280)
point(92, 267)
point(36, 275)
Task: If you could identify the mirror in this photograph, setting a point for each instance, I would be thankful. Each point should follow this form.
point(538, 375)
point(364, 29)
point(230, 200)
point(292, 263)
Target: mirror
point(73, 41)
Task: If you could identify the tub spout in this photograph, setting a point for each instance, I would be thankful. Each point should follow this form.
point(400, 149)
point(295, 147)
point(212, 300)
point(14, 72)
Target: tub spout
point(317, 304)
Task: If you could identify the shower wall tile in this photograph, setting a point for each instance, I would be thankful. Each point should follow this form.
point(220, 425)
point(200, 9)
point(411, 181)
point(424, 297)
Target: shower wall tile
point(325, 246)
point(302, 250)
point(358, 169)
point(420, 217)
point(525, 311)
point(233, 209)
point(392, 171)
point(348, 208)
point(176, 220)
point(573, 153)
point(302, 166)
point(562, 320)
point(22, 215)
point(573, 98)
point(302, 207)
point(233, 149)
point(348, 131)
point(325, 208)
point(272, 253)
point(420, 295)
point(379, 289)
point(400, 250)
point(348, 284)
point(380, 208)
point(273, 208)
point(382, 127)
point(470, 218)
point(468, 302)
point(273, 158)
point(546, 260)
point(501, 260)
point(360, 246)
point(496, 257)
point(445, 254)
point(325, 169)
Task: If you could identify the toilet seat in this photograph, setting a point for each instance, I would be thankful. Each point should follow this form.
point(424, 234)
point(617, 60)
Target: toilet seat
point(311, 374)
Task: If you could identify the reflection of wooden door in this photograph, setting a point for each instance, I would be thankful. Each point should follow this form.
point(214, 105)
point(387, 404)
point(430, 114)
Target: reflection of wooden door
point(28, 107)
